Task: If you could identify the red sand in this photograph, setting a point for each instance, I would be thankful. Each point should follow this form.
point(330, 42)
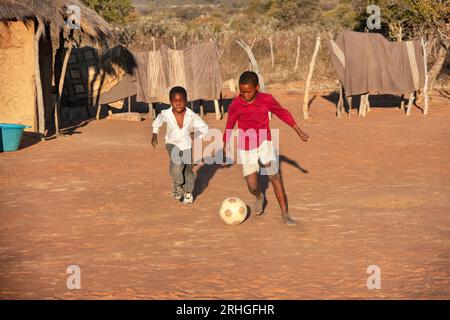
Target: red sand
point(376, 192)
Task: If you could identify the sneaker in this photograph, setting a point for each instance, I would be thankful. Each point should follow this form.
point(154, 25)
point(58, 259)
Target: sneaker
point(188, 197)
point(178, 193)
point(173, 190)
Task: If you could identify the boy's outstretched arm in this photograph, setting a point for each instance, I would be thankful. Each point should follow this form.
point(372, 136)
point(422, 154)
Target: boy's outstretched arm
point(156, 125)
point(154, 140)
point(304, 136)
point(287, 117)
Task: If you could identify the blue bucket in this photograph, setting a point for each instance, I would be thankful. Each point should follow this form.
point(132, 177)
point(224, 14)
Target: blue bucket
point(10, 136)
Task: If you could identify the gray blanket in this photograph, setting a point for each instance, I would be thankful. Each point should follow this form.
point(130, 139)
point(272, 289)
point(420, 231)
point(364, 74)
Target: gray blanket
point(368, 63)
point(195, 68)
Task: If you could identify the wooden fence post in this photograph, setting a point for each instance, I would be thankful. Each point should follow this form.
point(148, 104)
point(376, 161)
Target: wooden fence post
point(308, 79)
point(297, 57)
point(271, 54)
point(410, 102)
point(425, 85)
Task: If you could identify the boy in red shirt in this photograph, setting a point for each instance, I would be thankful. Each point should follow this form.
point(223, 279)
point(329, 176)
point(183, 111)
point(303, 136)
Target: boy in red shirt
point(250, 109)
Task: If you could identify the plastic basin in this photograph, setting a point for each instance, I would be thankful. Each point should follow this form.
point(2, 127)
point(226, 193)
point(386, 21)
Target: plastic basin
point(10, 136)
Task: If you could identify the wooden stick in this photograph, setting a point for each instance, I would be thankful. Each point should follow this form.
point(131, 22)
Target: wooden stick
point(410, 102)
point(174, 43)
point(287, 48)
point(154, 45)
point(298, 54)
point(202, 109)
point(151, 110)
point(308, 79)
point(425, 85)
point(362, 105)
point(271, 54)
point(340, 102)
point(61, 82)
point(129, 104)
point(402, 103)
point(253, 62)
point(253, 42)
point(39, 122)
point(350, 101)
point(217, 110)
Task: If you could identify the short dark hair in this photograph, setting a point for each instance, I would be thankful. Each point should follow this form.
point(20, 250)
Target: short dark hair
point(178, 90)
point(249, 77)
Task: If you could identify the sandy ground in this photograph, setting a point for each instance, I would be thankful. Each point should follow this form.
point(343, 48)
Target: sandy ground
point(365, 191)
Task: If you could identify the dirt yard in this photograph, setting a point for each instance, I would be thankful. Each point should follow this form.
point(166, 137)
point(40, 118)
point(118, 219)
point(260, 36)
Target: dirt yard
point(365, 191)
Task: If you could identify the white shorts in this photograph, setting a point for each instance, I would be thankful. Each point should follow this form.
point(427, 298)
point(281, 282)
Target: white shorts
point(265, 154)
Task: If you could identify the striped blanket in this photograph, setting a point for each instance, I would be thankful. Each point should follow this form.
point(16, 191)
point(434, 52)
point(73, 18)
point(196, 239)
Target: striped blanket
point(368, 63)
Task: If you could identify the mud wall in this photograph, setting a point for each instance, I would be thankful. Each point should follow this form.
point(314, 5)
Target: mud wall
point(17, 65)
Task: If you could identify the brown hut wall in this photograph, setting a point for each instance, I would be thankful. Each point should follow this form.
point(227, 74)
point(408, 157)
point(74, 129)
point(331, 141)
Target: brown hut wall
point(17, 65)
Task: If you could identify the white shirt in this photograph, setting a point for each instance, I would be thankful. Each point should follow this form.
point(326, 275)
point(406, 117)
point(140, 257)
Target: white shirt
point(181, 137)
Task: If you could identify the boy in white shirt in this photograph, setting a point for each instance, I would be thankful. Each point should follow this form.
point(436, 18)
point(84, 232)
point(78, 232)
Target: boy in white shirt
point(181, 122)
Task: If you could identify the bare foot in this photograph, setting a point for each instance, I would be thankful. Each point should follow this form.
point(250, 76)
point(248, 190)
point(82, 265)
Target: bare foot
point(287, 219)
point(258, 207)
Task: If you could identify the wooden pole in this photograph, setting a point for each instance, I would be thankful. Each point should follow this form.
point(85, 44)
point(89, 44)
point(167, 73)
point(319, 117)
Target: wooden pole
point(154, 45)
point(425, 85)
point(287, 48)
point(174, 43)
point(202, 109)
point(340, 102)
point(402, 103)
point(410, 102)
point(308, 79)
point(61, 82)
point(271, 54)
point(40, 113)
point(363, 105)
point(129, 104)
point(217, 109)
point(253, 42)
point(253, 62)
point(298, 54)
point(350, 101)
point(151, 110)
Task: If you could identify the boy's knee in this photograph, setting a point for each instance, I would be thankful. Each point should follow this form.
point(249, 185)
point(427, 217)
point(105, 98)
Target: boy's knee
point(177, 169)
point(253, 190)
point(274, 177)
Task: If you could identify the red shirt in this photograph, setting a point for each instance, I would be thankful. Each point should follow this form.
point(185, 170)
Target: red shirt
point(254, 116)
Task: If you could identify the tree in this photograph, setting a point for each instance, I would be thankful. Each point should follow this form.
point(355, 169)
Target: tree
point(114, 11)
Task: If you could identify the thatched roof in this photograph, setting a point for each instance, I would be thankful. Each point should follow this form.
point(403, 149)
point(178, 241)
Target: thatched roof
point(54, 13)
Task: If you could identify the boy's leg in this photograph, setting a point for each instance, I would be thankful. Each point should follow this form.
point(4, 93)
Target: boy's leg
point(270, 168)
point(189, 176)
point(278, 188)
point(250, 169)
point(176, 171)
point(253, 187)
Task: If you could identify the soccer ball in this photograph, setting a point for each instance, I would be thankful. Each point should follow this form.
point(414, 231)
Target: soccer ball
point(233, 211)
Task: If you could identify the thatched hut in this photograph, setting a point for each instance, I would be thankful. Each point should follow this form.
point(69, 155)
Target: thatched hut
point(29, 68)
